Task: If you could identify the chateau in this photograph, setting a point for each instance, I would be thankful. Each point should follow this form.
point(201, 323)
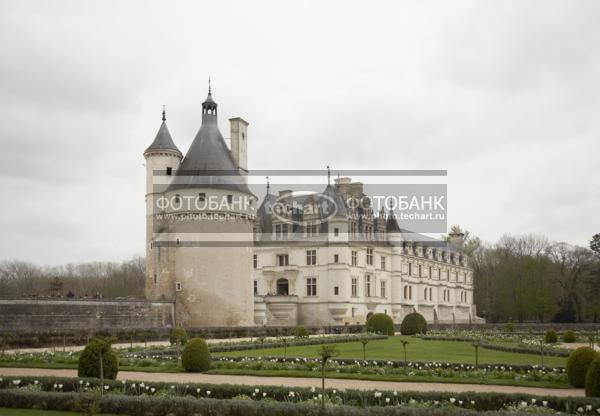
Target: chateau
point(227, 259)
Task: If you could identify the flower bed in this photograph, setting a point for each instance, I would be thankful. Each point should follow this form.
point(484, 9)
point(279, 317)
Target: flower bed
point(161, 398)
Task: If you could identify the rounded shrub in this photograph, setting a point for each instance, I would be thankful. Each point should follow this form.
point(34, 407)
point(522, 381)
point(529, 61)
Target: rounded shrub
point(592, 379)
point(551, 337)
point(577, 365)
point(195, 357)
point(300, 332)
point(413, 323)
point(569, 336)
point(89, 360)
point(380, 323)
point(178, 336)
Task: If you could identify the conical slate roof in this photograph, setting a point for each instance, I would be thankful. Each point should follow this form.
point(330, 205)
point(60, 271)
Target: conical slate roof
point(163, 140)
point(392, 225)
point(208, 162)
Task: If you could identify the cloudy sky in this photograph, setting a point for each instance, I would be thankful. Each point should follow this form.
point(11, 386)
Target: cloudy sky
point(505, 95)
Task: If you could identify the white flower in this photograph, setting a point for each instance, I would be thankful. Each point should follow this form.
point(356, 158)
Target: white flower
point(87, 384)
point(452, 400)
point(334, 391)
point(580, 410)
point(123, 382)
point(35, 382)
point(320, 396)
point(292, 394)
point(208, 392)
point(395, 393)
point(264, 394)
point(523, 404)
point(387, 399)
point(172, 387)
point(588, 407)
point(460, 402)
point(152, 389)
point(80, 381)
point(16, 382)
point(197, 390)
point(142, 384)
point(472, 401)
point(105, 387)
point(312, 389)
point(545, 403)
point(256, 390)
point(533, 401)
point(55, 385)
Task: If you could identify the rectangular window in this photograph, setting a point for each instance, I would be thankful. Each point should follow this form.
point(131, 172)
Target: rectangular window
point(229, 199)
point(354, 287)
point(255, 261)
point(368, 285)
point(178, 286)
point(169, 171)
point(311, 257)
point(311, 286)
point(370, 256)
point(336, 232)
point(336, 290)
point(430, 272)
point(155, 278)
point(281, 232)
point(312, 230)
point(382, 263)
point(256, 287)
point(336, 258)
point(410, 269)
point(201, 197)
point(282, 260)
point(420, 271)
point(177, 198)
point(383, 284)
point(354, 258)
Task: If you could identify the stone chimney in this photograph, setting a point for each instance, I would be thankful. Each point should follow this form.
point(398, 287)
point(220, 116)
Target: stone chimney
point(239, 143)
point(456, 240)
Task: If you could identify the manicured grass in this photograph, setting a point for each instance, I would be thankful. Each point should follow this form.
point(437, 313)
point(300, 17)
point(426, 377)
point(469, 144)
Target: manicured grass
point(417, 350)
point(31, 412)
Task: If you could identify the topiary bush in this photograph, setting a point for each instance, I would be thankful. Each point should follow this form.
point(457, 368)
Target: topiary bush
point(569, 336)
point(413, 323)
point(195, 357)
point(380, 323)
point(592, 379)
point(178, 336)
point(300, 332)
point(577, 365)
point(550, 337)
point(89, 360)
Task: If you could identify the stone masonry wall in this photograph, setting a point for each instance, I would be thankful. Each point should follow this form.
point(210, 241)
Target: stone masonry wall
point(34, 316)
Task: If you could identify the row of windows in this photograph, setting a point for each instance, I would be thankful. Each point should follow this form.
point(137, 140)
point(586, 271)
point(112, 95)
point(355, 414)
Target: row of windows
point(445, 274)
point(311, 287)
point(311, 259)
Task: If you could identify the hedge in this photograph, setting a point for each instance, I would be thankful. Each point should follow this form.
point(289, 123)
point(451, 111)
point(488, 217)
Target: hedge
point(569, 337)
point(592, 379)
point(550, 337)
point(357, 398)
point(578, 363)
point(497, 347)
point(195, 357)
point(89, 360)
point(380, 323)
point(413, 323)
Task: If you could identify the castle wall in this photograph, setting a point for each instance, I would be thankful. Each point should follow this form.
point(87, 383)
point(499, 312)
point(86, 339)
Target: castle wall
point(32, 315)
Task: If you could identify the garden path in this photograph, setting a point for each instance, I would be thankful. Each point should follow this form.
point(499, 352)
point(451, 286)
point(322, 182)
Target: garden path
point(300, 382)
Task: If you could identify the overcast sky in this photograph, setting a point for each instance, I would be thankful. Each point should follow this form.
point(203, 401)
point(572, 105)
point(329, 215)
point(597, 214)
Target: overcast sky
point(505, 95)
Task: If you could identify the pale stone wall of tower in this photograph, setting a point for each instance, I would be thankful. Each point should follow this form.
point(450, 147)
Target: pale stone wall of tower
point(239, 142)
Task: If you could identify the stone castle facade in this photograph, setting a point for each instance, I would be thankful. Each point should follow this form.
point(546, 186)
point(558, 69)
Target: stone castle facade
point(228, 260)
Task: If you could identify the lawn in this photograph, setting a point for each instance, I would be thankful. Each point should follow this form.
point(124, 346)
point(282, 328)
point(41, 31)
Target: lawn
point(417, 350)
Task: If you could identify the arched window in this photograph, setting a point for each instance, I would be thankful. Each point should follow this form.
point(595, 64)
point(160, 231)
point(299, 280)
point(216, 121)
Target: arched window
point(282, 287)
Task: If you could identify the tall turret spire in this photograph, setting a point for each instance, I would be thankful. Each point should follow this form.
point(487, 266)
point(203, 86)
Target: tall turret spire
point(209, 106)
point(163, 139)
point(209, 91)
point(268, 186)
point(164, 117)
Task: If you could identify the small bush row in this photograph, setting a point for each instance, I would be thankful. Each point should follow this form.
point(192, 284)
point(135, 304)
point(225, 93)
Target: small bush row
point(498, 347)
point(359, 398)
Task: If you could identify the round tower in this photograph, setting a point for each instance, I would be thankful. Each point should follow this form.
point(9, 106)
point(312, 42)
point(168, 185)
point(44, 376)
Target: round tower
point(207, 233)
point(162, 162)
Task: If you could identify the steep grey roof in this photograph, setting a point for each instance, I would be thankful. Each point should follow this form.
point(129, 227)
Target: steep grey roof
point(163, 140)
point(333, 193)
point(208, 162)
point(265, 215)
point(392, 225)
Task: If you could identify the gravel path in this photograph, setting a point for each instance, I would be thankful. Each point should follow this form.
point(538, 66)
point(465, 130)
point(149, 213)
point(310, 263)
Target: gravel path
point(301, 382)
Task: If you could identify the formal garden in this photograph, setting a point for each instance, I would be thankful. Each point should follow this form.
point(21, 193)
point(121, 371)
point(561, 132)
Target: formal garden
point(468, 357)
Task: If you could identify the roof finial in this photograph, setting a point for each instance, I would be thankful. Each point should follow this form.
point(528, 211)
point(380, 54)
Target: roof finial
point(209, 91)
point(164, 117)
point(268, 185)
point(328, 175)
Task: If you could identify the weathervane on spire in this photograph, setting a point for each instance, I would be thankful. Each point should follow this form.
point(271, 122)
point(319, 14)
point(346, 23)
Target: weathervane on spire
point(328, 176)
point(209, 92)
point(164, 117)
point(267, 185)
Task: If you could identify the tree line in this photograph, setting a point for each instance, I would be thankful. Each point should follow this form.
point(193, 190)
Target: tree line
point(529, 278)
point(108, 280)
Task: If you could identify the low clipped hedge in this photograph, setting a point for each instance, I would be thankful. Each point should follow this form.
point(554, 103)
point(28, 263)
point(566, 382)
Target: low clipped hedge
point(569, 337)
point(592, 379)
point(551, 337)
point(364, 402)
point(413, 323)
point(89, 360)
point(577, 365)
point(195, 357)
point(380, 323)
point(499, 347)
